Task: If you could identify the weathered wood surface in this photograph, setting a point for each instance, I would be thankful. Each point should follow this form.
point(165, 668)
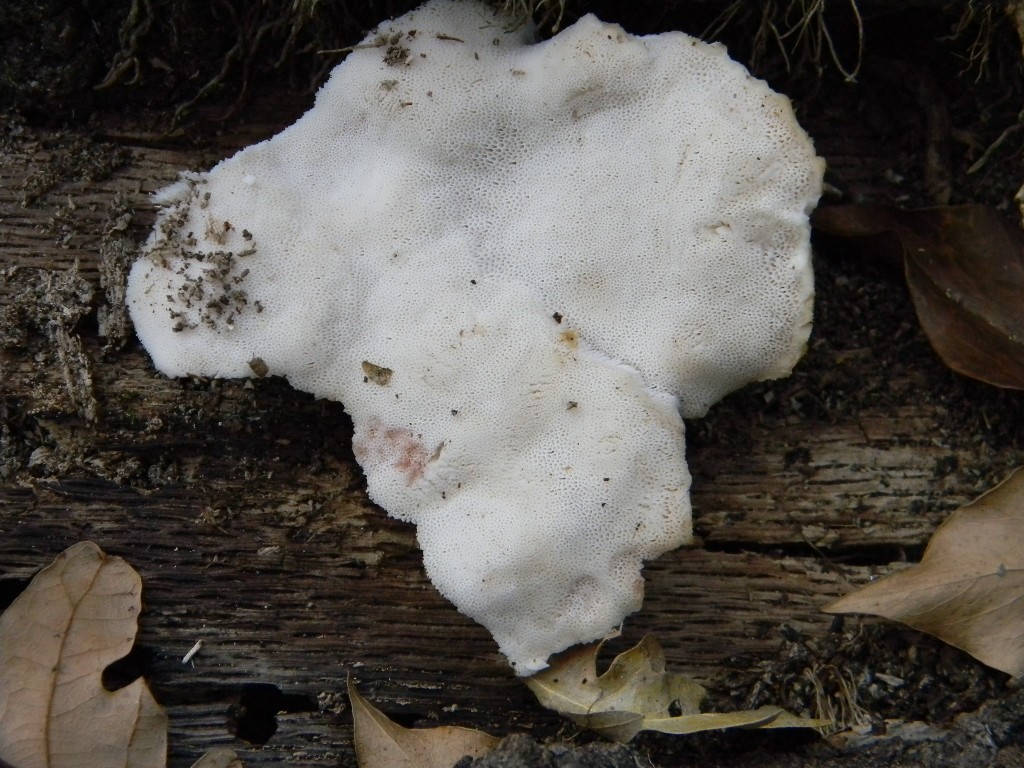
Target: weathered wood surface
point(241, 506)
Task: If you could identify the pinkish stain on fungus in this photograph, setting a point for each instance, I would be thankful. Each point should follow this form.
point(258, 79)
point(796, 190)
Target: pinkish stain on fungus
point(399, 447)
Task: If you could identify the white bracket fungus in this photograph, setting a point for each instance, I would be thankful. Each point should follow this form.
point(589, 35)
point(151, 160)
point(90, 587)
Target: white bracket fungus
point(515, 264)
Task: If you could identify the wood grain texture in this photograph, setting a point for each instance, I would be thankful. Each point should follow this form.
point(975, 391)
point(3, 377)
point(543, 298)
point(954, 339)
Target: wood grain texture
point(242, 508)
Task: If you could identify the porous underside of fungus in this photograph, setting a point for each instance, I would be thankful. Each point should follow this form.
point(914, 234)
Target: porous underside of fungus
point(514, 264)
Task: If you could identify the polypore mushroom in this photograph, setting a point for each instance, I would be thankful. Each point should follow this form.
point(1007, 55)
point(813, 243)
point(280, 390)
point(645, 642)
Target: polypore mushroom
point(515, 264)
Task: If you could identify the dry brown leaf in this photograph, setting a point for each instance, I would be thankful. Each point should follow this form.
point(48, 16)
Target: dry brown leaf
point(968, 589)
point(636, 694)
point(381, 743)
point(964, 266)
point(76, 617)
point(221, 757)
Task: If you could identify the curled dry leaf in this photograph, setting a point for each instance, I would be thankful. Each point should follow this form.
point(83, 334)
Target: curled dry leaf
point(382, 743)
point(221, 757)
point(964, 266)
point(636, 694)
point(968, 589)
point(77, 616)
